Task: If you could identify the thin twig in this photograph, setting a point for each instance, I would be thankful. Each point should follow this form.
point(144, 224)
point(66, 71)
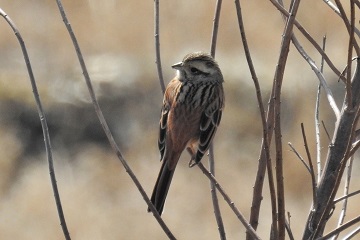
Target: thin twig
point(326, 131)
point(157, 46)
point(346, 196)
point(341, 228)
point(336, 10)
point(311, 40)
point(215, 28)
point(214, 197)
point(349, 59)
point(346, 193)
point(352, 234)
point(278, 79)
point(266, 160)
point(317, 120)
point(288, 228)
point(105, 125)
point(312, 173)
point(43, 125)
point(239, 215)
point(348, 25)
point(320, 76)
point(299, 156)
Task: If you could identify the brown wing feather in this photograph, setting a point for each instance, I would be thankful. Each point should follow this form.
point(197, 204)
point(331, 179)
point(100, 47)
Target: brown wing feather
point(209, 122)
point(162, 130)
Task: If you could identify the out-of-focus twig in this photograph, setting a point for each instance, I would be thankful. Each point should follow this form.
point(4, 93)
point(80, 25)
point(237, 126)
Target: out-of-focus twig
point(43, 125)
point(105, 125)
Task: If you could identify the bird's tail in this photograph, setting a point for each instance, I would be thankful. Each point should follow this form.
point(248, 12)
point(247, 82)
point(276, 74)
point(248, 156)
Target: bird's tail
point(162, 187)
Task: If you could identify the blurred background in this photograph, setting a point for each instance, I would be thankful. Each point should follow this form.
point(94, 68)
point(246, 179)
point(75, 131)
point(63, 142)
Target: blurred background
point(117, 40)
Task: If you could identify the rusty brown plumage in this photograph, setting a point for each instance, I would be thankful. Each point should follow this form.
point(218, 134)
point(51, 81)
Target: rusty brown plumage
point(191, 112)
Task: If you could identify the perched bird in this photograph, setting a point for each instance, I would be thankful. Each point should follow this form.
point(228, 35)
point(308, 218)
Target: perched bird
point(191, 112)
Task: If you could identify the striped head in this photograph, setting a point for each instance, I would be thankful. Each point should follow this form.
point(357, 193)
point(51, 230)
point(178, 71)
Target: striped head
point(197, 67)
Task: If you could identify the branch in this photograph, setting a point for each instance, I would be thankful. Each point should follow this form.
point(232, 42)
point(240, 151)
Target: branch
point(267, 124)
point(239, 215)
point(336, 161)
point(214, 197)
point(105, 125)
point(346, 193)
point(43, 125)
point(346, 196)
point(348, 25)
point(317, 120)
point(349, 59)
point(278, 79)
point(311, 40)
point(313, 181)
point(157, 46)
point(341, 228)
point(336, 10)
point(352, 234)
point(299, 156)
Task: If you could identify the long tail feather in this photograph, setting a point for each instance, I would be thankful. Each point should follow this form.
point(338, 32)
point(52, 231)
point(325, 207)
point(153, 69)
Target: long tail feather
point(162, 187)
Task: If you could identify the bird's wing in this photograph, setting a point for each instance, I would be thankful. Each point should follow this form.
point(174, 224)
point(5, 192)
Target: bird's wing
point(162, 129)
point(209, 122)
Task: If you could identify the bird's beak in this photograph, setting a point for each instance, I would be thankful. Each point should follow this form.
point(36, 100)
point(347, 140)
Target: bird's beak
point(177, 66)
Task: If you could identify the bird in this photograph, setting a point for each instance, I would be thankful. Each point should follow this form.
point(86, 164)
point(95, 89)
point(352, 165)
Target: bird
point(190, 115)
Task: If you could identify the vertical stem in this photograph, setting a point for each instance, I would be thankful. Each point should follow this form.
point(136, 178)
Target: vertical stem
point(43, 125)
point(277, 131)
point(214, 197)
point(157, 46)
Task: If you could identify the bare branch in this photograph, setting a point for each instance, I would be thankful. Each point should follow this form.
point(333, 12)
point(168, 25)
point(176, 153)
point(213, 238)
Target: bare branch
point(265, 159)
point(311, 40)
point(336, 161)
point(320, 76)
point(313, 181)
point(214, 197)
point(105, 125)
point(300, 157)
point(43, 125)
point(346, 193)
point(341, 228)
point(336, 10)
point(288, 228)
point(317, 120)
point(278, 79)
point(326, 131)
point(239, 215)
point(352, 234)
point(348, 25)
point(346, 196)
point(157, 46)
point(349, 59)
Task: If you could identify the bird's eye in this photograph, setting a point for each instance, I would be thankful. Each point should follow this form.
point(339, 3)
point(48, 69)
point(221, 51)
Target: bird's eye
point(194, 70)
